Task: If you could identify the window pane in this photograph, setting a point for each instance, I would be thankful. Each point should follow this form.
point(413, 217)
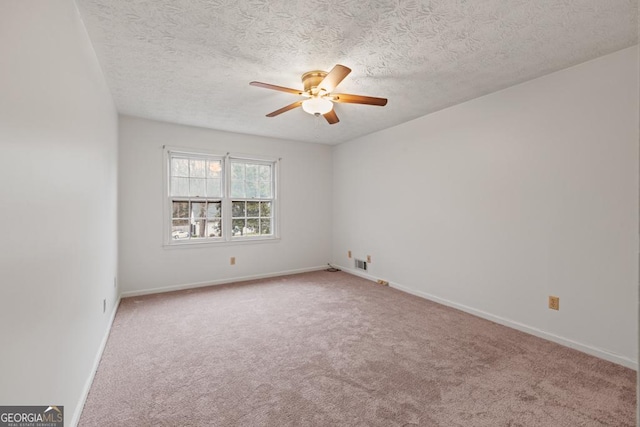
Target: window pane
point(214, 168)
point(253, 209)
point(251, 173)
point(237, 227)
point(197, 168)
point(213, 188)
point(265, 209)
point(213, 210)
point(180, 229)
point(251, 180)
point(179, 186)
point(214, 229)
point(265, 190)
point(180, 167)
point(180, 210)
point(237, 171)
point(253, 227)
point(197, 187)
point(198, 210)
point(198, 228)
point(237, 209)
point(264, 173)
point(265, 226)
point(237, 189)
point(251, 189)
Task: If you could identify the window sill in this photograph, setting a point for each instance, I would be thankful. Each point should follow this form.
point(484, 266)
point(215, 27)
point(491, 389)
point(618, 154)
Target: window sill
point(219, 243)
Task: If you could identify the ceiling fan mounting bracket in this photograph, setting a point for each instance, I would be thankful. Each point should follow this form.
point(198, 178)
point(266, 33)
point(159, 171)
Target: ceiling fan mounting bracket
point(312, 79)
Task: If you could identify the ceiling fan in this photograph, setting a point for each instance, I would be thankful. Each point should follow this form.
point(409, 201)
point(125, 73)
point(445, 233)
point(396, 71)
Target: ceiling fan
point(318, 89)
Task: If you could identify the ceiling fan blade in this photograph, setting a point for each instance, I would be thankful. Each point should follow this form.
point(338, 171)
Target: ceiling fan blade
point(358, 99)
point(274, 87)
point(331, 117)
point(285, 109)
point(335, 76)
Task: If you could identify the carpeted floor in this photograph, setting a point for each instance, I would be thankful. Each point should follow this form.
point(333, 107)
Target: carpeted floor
point(331, 349)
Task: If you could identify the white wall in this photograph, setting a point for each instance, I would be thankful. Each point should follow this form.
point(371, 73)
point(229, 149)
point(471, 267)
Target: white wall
point(305, 208)
point(58, 153)
point(494, 204)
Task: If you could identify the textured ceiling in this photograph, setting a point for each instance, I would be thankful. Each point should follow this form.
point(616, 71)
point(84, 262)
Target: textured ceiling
point(191, 61)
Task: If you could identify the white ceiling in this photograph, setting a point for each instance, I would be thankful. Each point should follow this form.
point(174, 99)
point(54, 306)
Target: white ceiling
point(191, 61)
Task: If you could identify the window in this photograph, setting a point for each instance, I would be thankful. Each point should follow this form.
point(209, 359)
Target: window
point(251, 198)
point(220, 198)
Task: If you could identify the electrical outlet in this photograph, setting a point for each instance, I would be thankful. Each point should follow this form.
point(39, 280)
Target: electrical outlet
point(554, 302)
point(349, 254)
point(104, 305)
point(369, 259)
point(232, 261)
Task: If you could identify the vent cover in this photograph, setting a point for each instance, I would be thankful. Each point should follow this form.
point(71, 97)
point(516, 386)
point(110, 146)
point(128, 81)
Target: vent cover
point(361, 264)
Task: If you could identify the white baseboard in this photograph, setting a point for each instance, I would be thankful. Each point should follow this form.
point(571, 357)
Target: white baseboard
point(87, 386)
point(593, 351)
point(219, 282)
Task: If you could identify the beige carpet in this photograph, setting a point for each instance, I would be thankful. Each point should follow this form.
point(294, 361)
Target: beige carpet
point(331, 349)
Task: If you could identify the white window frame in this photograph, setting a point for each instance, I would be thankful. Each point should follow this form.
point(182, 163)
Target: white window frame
point(227, 237)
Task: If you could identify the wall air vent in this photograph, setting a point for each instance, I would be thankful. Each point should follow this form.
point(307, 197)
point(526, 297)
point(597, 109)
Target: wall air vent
point(361, 264)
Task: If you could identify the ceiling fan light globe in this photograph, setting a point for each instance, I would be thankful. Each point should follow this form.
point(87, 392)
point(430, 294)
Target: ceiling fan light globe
point(317, 106)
